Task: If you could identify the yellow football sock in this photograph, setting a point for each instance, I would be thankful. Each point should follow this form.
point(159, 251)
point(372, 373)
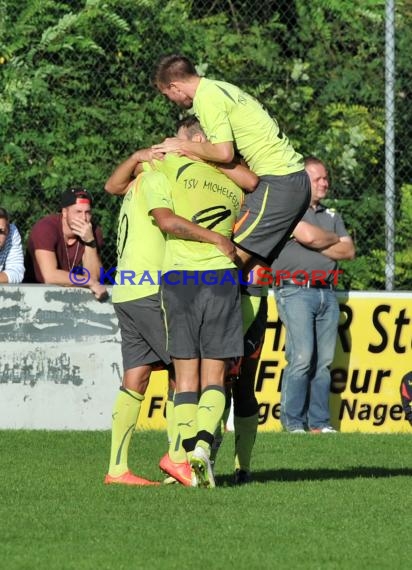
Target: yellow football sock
point(220, 431)
point(250, 308)
point(125, 413)
point(245, 435)
point(176, 450)
point(185, 426)
point(170, 415)
point(209, 414)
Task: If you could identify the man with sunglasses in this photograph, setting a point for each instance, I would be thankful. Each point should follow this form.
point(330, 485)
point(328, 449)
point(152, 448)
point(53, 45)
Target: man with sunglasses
point(11, 252)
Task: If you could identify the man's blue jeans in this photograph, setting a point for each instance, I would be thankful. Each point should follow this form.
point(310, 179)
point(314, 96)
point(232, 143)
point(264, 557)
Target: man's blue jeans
point(311, 318)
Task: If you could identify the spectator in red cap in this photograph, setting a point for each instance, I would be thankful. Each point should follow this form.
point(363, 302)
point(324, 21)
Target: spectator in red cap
point(63, 249)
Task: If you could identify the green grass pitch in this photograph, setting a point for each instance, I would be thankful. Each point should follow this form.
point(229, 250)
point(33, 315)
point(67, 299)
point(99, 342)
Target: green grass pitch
point(317, 502)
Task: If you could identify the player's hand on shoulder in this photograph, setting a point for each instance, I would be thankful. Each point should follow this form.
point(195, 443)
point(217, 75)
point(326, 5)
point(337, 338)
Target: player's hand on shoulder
point(171, 144)
point(147, 155)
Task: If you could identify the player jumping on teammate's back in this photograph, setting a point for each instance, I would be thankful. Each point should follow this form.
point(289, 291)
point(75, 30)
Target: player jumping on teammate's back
point(231, 119)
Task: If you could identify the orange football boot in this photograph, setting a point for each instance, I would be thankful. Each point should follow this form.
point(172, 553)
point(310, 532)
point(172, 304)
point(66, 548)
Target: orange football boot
point(179, 471)
point(128, 478)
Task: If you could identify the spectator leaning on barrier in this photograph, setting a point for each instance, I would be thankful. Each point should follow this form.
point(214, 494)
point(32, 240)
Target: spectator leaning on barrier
point(308, 307)
point(63, 249)
point(11, 251)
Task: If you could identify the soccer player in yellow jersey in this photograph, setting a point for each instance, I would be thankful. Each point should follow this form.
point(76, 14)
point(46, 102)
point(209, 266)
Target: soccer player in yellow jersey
point(240, 384)
point(233, 119)
point(201, 297)
point(136, 303)
point(135, 296)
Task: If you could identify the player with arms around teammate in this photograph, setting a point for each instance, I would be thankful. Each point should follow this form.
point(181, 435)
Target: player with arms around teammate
point(233, 119)
point(138, 311)
point(201, 297)
point(136, 301)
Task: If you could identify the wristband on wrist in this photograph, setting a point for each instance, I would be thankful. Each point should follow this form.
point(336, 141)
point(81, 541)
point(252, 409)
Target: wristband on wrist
point(90, 243)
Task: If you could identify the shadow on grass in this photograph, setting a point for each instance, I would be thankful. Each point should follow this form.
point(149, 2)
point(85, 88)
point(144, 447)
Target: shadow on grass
point(290, 475)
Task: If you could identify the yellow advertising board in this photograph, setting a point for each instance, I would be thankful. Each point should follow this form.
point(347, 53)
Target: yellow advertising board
point(373, 354)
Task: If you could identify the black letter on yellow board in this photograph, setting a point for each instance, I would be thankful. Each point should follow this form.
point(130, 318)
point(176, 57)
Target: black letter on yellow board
point(364, 387)
point(263, 412)
point(375, 348)
point(343, 327)
point(339, 377)
point(400, 321)
point(155, 404)
point(277, 326)
point(349, 408)
point(263, 375)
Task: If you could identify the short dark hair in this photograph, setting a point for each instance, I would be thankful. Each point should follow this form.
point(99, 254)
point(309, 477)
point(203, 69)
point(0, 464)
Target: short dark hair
point(313, 160)
point(4, 215)
point(192, 125)
point(172, 67)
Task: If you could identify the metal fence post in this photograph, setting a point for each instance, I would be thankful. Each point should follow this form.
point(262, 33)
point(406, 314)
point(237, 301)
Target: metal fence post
point(390, 144)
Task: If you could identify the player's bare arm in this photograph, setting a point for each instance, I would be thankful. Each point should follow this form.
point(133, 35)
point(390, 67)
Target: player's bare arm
point(240, 174)
point(180, 227)
point(118, 183)
point(219, 152)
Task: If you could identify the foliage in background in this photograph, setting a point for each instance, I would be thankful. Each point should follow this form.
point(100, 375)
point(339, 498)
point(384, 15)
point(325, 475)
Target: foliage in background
point(76, 97)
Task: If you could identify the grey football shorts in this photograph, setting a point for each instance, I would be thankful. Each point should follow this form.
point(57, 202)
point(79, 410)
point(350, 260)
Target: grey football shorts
point(143, 332)
point(269, 214)
point(203, 320)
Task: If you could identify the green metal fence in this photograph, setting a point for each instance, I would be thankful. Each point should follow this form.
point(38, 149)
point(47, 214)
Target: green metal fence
point(76, 99)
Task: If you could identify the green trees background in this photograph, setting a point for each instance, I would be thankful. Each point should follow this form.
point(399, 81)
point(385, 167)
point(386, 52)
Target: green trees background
point(76, 99)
